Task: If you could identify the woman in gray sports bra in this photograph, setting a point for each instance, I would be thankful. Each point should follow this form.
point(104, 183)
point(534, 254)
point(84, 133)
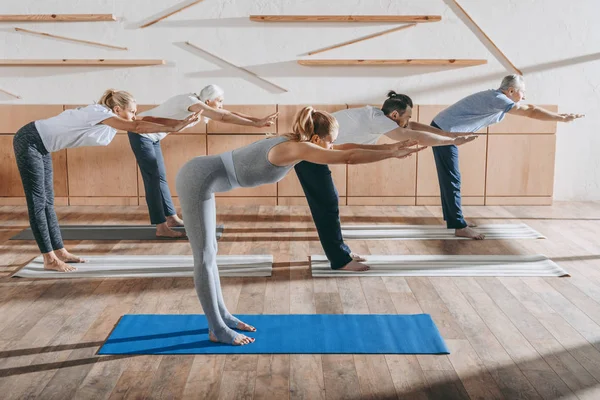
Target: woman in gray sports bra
point(265, 161)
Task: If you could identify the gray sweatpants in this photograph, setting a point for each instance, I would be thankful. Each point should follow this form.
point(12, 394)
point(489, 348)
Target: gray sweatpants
point(196, 183)
point(35, 166)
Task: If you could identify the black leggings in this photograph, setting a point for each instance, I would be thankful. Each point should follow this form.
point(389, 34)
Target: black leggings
point(35, 167)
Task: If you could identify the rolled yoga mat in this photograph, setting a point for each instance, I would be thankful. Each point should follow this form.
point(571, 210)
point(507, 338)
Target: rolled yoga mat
point(150, 266)
point(435, 232)
point(109, 232)
point(445, 265)
point(280, 334)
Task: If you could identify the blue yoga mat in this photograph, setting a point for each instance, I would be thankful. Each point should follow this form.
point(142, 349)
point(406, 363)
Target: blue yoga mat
point(280, 334)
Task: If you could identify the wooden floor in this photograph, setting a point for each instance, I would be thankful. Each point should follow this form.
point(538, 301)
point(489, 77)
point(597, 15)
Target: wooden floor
point(512, 338)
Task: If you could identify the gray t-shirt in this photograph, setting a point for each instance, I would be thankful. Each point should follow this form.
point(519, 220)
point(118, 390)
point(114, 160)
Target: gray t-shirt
point(364, 125)
point(474, 112)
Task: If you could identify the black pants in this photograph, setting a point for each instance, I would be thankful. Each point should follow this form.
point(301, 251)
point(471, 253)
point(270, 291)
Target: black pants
point(152, 166)
point(446, 162)
point(323, 200)
point(35, 166)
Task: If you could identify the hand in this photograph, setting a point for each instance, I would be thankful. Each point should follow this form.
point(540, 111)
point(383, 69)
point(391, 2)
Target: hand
point(192, 119)
point(464, 139)
point(403, 144)
point(266, 121)
point(570, 117)
point(408, 152)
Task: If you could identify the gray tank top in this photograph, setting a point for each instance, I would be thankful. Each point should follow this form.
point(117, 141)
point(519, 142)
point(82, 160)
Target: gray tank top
point(249, 166)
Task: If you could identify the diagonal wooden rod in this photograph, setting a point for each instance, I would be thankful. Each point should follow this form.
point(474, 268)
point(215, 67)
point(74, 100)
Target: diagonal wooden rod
point(169, 14)
point(70, 39)
point(236, 66)
point(10, 94)
point(488, 38)
point(362, 39)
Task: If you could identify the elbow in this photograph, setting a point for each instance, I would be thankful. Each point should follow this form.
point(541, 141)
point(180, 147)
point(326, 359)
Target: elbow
point(351, 157)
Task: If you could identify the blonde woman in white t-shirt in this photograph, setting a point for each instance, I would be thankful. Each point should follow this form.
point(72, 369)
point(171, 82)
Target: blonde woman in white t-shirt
point(148, 152)
point(94, 125)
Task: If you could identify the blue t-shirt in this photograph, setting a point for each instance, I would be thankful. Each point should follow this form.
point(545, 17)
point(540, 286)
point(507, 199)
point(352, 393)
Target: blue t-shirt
point(475, 112)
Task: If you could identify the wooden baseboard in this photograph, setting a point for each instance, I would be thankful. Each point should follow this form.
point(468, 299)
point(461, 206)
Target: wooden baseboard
point(437, 201)
point(300, 201)
point(21, 201)
point(381, 201)
point(103, 201)
point(519, 201)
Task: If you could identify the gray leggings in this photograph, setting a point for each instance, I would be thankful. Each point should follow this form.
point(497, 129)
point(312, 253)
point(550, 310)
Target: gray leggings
point(35, 167)
point(196, 183)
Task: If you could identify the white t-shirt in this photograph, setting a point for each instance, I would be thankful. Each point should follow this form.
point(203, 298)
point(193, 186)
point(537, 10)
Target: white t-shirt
point(363, 125)
point(174, 108)
point(76, 128)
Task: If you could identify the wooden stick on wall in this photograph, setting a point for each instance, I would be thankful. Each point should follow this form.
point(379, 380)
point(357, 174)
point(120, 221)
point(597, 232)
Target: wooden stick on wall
point(10, 94)
point(362, 39)
point(169, 14)
point(488, 38)
point(70, 39)
point(346, 18)
point(57, 18)
point(236, 66)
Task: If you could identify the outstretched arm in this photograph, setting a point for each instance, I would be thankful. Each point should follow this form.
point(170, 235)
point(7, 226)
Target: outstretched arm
point(539, 113)
point(292, 152)
point(417, 126)
point(229, 117)
point(141, 126)
point(387, 146)
point(427, 138)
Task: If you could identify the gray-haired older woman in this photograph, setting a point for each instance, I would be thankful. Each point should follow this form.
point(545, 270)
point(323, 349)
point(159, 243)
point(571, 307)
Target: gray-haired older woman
point(148, 152)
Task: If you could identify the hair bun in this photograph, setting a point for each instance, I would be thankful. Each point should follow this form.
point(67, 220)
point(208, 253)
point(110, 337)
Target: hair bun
point(391, 94)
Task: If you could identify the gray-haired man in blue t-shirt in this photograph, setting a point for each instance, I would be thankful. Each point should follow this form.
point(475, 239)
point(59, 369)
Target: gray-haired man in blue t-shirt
point(470, 114)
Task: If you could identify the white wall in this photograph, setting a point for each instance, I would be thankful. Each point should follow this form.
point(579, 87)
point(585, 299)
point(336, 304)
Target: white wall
point(554, 42)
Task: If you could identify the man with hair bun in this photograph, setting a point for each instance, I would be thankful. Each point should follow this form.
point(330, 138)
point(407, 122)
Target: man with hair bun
point(360, 128)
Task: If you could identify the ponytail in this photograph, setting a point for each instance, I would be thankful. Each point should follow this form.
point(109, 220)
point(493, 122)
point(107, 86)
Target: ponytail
point(113, 98)
point(309, 122)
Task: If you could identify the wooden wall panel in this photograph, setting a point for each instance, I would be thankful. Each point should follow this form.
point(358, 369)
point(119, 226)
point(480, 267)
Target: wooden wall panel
point(288, 112)
point(177, 149)
point(13, 117)
point(428, 112)
point(520, 165)
point(258, 111)
point(10, 180)
point(221, 143)
point(392, 177)
point(521, 125)
point(472, 159)
point(109, 171)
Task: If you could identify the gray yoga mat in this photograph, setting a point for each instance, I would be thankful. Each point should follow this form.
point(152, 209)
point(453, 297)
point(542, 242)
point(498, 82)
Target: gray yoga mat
point(445, 265)
point(109, 232)
point(151, 266)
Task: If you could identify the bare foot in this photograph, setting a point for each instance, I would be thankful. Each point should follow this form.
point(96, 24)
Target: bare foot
point(242, 326)
point(174, 220)
point(469, 233)
point(58, 265)
point(471, 224)
point(67, 257)
point(240, 340)
point(355, 266)
point(358, 258)
point(163, 230)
